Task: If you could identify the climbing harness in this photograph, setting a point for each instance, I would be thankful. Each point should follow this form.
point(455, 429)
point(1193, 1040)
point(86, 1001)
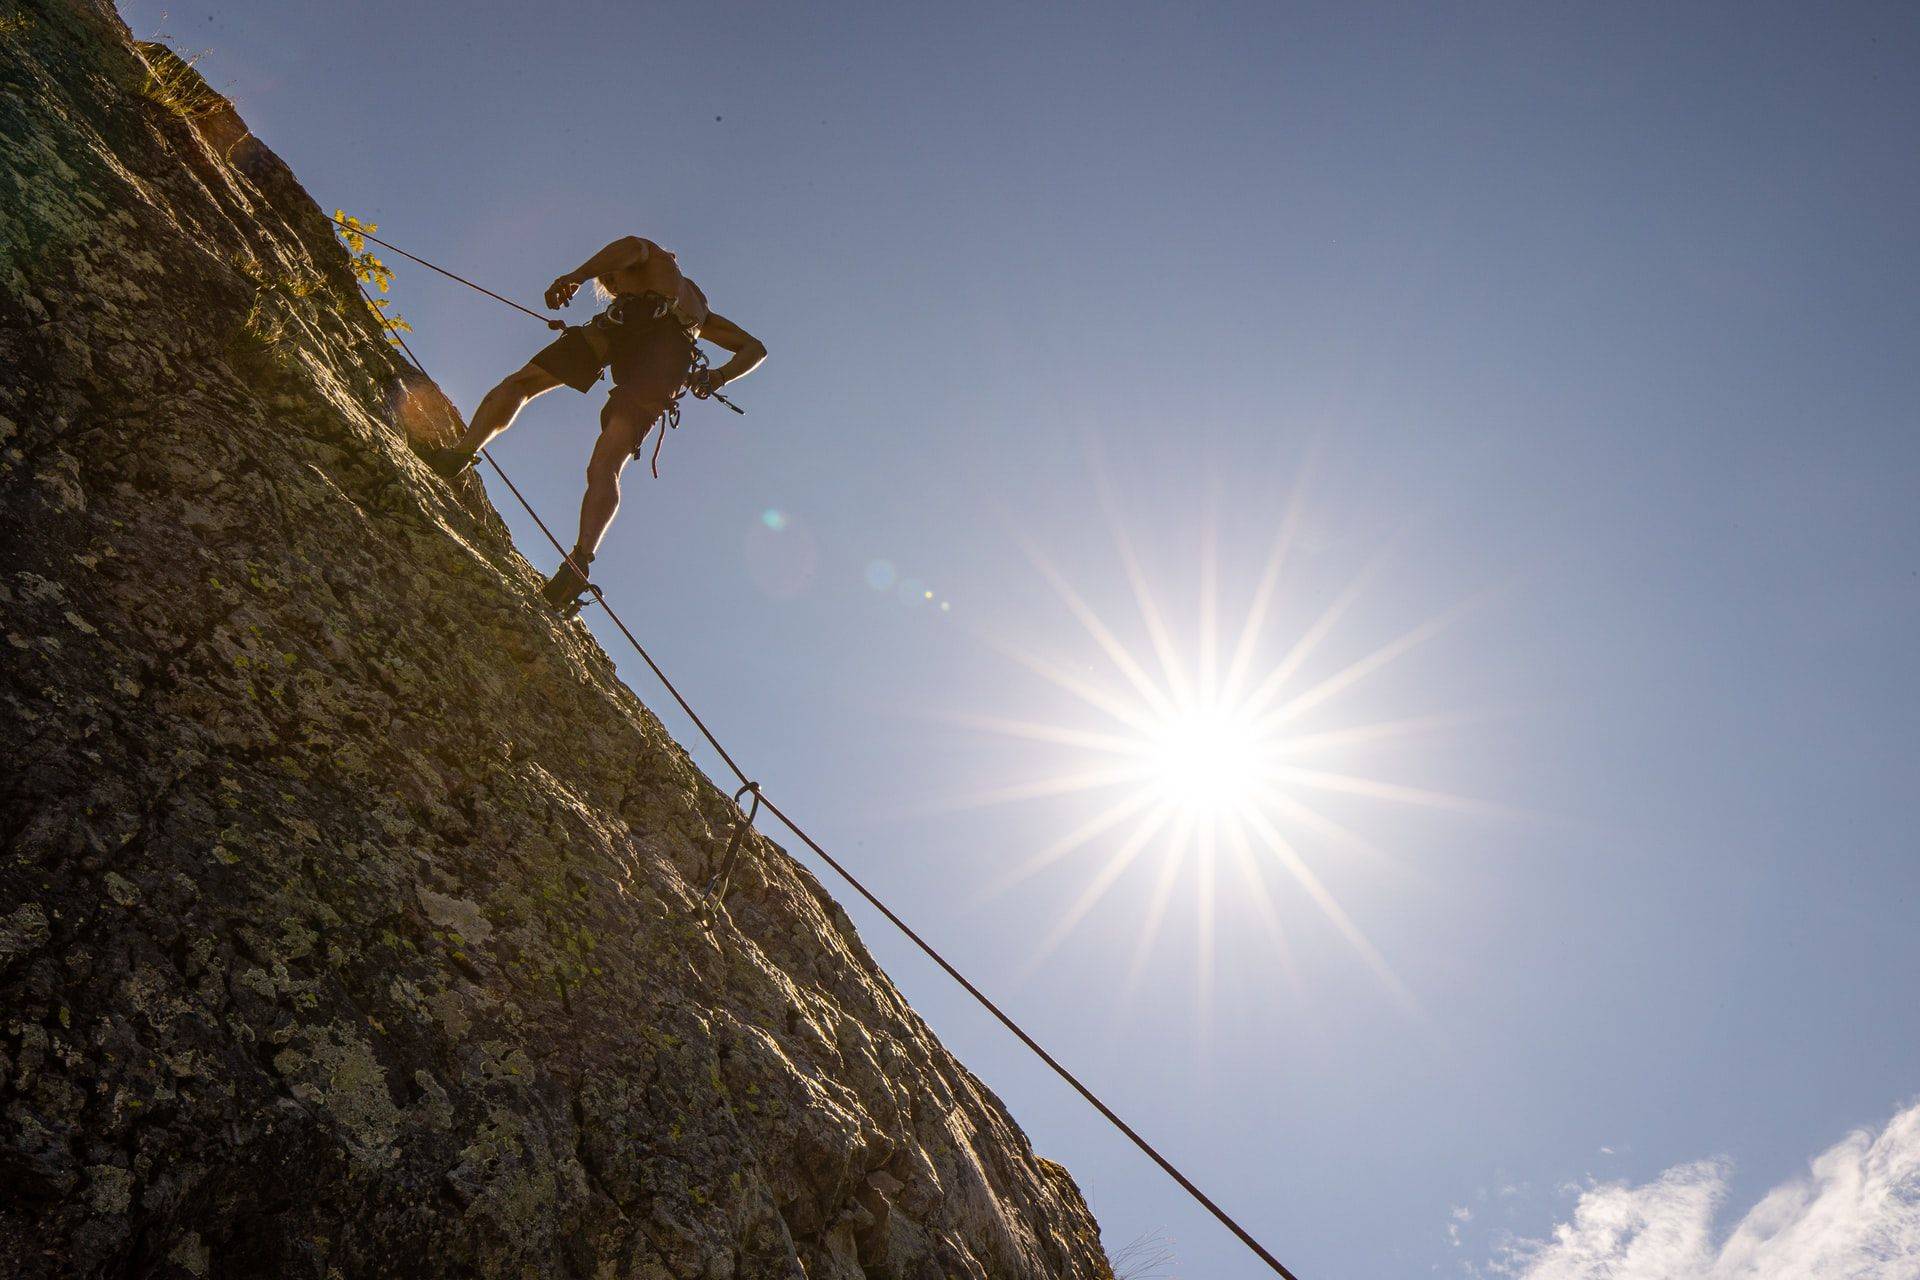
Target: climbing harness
point(658, 306)
point(800, 833)
point(715, 894)
point(669, 420)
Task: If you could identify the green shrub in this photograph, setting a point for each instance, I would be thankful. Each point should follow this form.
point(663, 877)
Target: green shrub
point(368, 269)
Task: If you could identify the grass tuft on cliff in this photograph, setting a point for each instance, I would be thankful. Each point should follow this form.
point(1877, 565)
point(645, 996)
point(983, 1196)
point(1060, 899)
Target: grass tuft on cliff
point(175, 84)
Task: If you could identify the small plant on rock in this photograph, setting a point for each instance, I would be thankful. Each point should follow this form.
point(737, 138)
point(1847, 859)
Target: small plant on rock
point(275, 292)
point(1145, 1257)
point(173, 83)
point(369, 270)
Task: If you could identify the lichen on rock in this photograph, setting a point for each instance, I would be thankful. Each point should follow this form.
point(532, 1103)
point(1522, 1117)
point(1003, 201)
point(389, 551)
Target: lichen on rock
point(347, 898)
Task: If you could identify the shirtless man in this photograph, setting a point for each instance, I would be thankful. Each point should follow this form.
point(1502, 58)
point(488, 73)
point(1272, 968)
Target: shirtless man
point(646, 337)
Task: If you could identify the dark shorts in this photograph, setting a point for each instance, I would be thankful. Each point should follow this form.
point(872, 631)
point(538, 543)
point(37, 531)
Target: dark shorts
point(648, 358)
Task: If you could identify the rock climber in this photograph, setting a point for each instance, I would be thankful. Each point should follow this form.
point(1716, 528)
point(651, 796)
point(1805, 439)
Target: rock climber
point(647, 337)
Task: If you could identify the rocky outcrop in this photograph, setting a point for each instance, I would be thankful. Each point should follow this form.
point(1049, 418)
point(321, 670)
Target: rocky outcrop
point(347, 899)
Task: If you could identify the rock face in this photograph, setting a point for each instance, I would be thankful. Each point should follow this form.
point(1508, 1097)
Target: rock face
point(347, 900)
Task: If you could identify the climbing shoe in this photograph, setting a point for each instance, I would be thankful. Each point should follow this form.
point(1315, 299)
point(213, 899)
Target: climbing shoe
point(446, 461)
point(566, 590)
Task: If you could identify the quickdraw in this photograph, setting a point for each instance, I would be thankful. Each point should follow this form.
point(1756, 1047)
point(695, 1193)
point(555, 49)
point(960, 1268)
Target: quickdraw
point(715, 893)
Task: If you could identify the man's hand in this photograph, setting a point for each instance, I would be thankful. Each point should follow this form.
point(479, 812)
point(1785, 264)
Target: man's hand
point(561, 292)
point(748, 352)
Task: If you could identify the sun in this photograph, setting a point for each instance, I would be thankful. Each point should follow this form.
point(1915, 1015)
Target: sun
point(1201, 754)
point(1208, 761)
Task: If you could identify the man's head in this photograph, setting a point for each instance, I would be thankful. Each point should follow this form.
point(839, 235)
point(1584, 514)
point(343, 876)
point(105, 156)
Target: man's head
point(649, 251)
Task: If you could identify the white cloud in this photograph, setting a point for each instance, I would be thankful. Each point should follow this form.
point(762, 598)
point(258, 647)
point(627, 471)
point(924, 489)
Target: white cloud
point(1854, 1216)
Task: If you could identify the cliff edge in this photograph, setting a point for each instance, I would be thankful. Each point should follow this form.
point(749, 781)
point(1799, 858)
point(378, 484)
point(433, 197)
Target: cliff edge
point(347, 899)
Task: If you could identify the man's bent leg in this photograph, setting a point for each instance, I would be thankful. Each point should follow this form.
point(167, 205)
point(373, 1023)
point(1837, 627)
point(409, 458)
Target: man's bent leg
point(623, 425)
point(500, 406)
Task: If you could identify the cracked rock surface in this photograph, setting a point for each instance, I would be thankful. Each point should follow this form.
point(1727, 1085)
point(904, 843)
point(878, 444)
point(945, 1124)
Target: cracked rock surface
point(346, 897)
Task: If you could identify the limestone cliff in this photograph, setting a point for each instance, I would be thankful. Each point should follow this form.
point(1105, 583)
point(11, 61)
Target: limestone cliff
point(346, 898)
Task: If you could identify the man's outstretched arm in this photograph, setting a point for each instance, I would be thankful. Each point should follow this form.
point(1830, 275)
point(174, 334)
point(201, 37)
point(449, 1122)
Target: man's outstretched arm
point(627, 251)
point(748, 352)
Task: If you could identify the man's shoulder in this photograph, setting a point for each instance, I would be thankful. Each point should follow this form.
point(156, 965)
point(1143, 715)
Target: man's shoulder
point(693, 303)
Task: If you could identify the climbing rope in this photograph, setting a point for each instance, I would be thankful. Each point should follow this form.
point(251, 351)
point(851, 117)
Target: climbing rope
point(744, 819)
point(355, 228)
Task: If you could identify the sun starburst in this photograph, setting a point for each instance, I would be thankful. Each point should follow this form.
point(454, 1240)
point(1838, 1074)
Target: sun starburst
point(1205, 753)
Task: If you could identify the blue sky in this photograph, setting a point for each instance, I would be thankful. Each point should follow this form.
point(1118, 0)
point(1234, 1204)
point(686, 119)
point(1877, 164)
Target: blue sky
point(1599, 322)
